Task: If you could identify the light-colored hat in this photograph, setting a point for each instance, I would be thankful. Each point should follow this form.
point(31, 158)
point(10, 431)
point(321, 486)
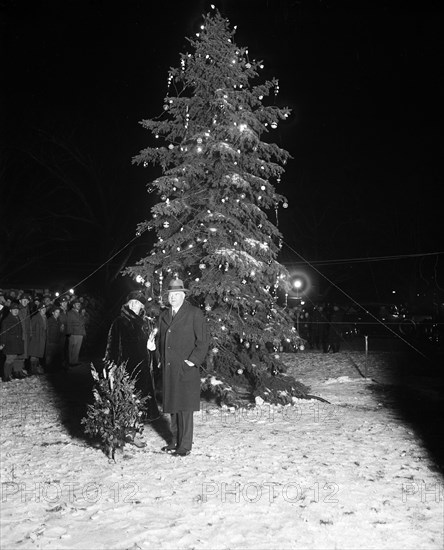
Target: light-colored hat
point(176, 285)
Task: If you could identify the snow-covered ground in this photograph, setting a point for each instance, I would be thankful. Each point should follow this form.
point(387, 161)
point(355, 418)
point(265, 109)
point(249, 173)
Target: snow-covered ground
point(349, 474)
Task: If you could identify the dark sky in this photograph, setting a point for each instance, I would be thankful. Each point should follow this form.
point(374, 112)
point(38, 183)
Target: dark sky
point(364, 85)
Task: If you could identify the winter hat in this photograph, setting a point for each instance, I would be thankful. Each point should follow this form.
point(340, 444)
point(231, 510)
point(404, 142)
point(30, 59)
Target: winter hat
point(14, 305)
point(176, 285)
point(136, 295)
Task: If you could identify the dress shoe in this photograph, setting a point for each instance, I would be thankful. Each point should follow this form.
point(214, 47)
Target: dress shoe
point(181, 452)
point(169, 449)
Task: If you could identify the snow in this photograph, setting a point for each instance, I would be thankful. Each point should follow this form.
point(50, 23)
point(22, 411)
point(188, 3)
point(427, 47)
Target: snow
point(253, 243)
point(345, 474)
point(245, 259)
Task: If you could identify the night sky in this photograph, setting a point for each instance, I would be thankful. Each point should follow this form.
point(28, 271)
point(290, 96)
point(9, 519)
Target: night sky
point(364, 86)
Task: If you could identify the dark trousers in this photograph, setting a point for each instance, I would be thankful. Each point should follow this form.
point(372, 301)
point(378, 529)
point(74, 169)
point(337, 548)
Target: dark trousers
point(53, 356)
point(182, 429)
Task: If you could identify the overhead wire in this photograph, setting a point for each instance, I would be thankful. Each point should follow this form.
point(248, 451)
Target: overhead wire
point(367, 259)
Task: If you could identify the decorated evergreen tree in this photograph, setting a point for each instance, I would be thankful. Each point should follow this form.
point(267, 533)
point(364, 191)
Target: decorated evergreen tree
point(213, 223)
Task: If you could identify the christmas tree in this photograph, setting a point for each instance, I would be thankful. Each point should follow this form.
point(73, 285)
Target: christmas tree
point(213, 223)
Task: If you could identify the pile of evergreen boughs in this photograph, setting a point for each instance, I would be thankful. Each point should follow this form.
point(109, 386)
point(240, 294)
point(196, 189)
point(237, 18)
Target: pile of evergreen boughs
point(115, 416)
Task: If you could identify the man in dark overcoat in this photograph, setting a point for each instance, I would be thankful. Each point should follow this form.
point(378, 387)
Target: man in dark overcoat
point(183, 344)
point(11, 342)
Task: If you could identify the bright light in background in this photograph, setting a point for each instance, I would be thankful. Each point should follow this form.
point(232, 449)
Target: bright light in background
point(57, 294)
point(300, 282)
point(71, 291)
point(297, 283)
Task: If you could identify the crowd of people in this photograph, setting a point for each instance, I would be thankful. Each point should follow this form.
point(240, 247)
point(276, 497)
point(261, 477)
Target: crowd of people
point(40, 332)
point(321, 326)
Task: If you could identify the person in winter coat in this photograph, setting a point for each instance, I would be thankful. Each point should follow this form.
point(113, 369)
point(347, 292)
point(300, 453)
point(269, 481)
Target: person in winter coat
point(12, 344)
point(37, 342)
point(335, 329)
point(3, 313)
point(318, 320)
point(25, 311)
point(55, 339)
point(76, 331)
point(326, 312)
point(63, 303)
point(127, 343)
point(183, 344)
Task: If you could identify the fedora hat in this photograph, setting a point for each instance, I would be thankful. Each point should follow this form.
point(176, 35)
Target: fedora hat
point(176, 285)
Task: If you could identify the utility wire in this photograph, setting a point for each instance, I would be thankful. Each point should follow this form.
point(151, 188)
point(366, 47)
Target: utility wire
point(361, 260)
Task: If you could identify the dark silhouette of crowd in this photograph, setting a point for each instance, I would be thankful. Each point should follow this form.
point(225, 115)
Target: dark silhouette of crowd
point(321, 326)
point(40, 332)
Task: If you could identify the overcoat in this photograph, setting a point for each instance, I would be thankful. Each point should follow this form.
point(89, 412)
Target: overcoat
point(127, 338)
point(183, 337)
point(76, 323)
point(37, 341)
point(63, 318)
point(11, 335)
point(25, 318)
point(54, 334)
point(55, 340)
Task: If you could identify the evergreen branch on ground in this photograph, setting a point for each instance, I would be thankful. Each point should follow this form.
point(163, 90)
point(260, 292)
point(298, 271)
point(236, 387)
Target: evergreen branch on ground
point(115, 417)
